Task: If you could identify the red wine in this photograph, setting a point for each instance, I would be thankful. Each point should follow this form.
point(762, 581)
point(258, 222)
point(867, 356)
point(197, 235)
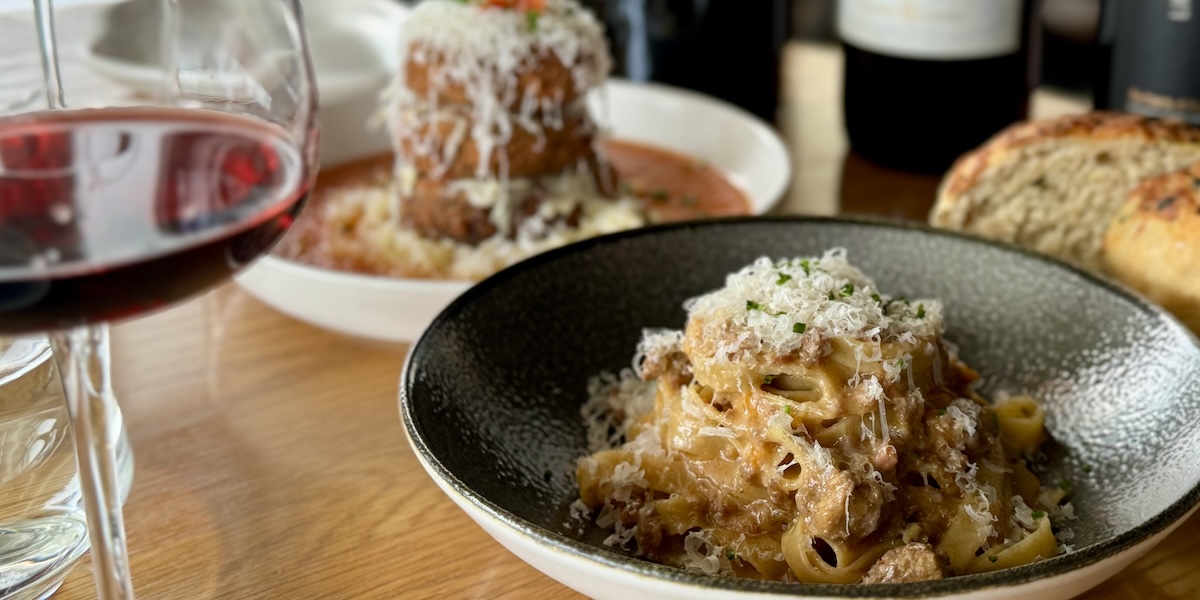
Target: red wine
point(110, 213)
point(926, 81)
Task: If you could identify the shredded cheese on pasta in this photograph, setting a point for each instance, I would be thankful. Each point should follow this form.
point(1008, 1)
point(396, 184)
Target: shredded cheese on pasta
point(805, 426)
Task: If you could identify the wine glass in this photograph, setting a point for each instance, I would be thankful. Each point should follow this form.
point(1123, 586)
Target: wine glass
point(120, 199)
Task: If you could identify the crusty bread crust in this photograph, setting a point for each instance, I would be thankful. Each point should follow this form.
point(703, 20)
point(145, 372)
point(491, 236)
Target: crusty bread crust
point(1153, 243)
point(1098, 125)
point(1054, 185)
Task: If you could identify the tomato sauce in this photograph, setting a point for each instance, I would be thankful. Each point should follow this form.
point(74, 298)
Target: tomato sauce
point(674, 187)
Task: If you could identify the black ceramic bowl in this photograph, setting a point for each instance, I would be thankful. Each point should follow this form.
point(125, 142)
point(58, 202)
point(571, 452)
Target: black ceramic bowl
point(491, 394)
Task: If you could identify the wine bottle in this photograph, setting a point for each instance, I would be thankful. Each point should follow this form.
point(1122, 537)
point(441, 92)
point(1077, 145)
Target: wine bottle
point(926, 80)
point(1156, 59)
point(729, 49)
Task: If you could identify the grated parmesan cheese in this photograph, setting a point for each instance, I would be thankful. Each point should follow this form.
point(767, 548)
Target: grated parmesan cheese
point(768, 301)
point(701, 554)
point(484, 50)
point(358, 232)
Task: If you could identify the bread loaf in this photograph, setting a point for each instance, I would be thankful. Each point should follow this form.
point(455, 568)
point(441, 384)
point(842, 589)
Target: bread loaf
point(1054, 185)
point(1153, 243)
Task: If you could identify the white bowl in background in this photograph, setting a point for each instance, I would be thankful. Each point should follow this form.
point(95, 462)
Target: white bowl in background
point(389, 309)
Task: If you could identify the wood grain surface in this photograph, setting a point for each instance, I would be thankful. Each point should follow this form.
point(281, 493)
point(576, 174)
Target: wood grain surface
point(271, 462)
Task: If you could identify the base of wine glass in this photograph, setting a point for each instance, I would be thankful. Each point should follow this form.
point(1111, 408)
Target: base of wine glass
point(43, 526)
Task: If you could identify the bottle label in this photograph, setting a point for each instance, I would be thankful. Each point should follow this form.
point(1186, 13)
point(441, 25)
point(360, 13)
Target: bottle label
point(1156, 57)
point(932, 29)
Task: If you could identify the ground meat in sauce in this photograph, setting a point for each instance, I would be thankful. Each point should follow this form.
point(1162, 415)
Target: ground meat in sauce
point(837, 507)
point(908, 563)
point(672, 364)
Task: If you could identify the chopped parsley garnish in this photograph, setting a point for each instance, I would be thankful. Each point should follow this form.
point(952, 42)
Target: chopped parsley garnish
point(531, 19)
point(941, 412)
point(899, 363)
point(1087, 468)
point(993, 558)
point(920, 311)
point(1065, 485)
point(847, 289)
point(783, 278)
point(804, 264)
point(659, 195)
point(877, 299)
point(752, 305)
point(831, 296)
point(799, 327)
point(787, 409)
point(1038, 514)
point(730, 554)
point(767, 379)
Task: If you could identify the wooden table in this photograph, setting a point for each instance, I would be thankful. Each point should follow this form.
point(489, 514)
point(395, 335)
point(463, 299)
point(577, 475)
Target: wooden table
point(271, 462)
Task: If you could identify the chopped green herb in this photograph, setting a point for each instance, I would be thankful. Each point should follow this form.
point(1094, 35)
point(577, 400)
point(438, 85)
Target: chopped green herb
point(941, 412)
point(783, 278)
point(1087, 468)
point(531, 19)
point(920, 311)
point(993, 558)
point(877, 299)
point(831, 296)
point(804, 264)
point(899, 363)
point(799, 327)
point(730, 554)
point(1038, 514)
point(847, 289)
point(690, 200)
point(767, 379)
point(752, 305)
point(659, 195)
point(1065, 485)
point(787, 409)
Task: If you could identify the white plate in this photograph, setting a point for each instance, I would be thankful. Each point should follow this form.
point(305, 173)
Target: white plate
point(747, 150)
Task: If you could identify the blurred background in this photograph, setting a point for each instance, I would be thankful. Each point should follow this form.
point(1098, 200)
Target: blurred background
point(852, 114)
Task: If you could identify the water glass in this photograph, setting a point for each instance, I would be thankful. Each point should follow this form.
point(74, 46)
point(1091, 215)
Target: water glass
point(43, 528)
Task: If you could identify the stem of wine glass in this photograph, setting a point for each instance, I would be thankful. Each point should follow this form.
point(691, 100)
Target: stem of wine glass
point(82, 355)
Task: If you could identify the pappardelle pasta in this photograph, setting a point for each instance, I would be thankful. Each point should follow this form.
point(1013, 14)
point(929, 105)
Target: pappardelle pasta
point(804, 426)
